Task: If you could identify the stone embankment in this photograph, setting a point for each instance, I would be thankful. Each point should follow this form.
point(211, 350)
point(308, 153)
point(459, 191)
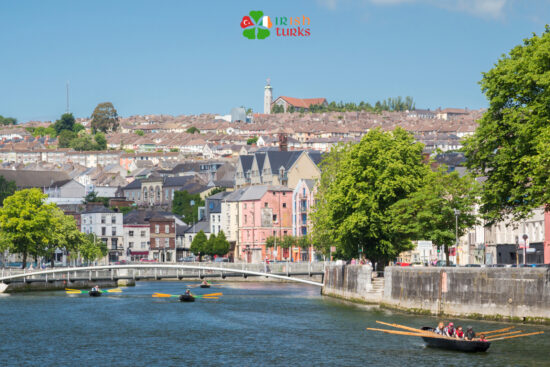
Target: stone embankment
point(515, 294)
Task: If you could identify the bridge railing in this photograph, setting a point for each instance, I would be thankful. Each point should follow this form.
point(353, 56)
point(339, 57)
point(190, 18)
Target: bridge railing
point(159, 271)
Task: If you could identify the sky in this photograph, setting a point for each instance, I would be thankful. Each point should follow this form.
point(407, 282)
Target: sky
point(189, 57)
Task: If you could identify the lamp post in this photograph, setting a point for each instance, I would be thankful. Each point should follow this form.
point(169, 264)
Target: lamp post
point(457, 213)
point(525, 242)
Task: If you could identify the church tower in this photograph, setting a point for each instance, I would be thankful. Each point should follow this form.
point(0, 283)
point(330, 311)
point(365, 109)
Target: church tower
point(268, 97)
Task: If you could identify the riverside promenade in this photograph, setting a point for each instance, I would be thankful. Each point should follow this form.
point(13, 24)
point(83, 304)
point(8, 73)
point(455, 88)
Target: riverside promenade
point(512, 294)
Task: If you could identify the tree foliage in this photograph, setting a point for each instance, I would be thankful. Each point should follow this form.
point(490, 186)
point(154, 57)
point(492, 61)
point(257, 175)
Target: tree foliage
point(65, 138)
point(66, 122)
point(199, 243)
point(7, 188)
point(359, 184)
point(104, 118)
point(91, 248)
point(192, 130)
point(511, 145)
point(431, 212)
point(7, 120)
point(252, 140)
point(140, 132)
point(187, 205)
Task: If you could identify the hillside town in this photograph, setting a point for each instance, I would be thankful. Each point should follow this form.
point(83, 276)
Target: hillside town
point(263, 169)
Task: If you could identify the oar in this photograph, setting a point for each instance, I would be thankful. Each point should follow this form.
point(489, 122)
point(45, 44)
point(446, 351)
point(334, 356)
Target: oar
point(397, 332)
point(495, 331)
point(504, 334)
point(406, 328)
point(517, 336)
point(162, 295)
point(114, 290)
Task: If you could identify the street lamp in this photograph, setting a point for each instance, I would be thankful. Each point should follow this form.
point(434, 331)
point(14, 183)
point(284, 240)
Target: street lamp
point(457, 213)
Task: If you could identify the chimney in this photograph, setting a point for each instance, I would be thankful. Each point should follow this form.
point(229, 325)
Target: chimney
point(283, 143)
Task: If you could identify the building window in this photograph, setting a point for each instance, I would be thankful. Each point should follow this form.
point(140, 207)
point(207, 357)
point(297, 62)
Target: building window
point(130, 244)
point(244, 205)
point(275, 217)
point(166, 228)
point(245, 219)
point(166, 242)
point(157, 228)
point(284, 205)
point(113, 219)
point(284, 193)
point(284, 233)
point(142, 233)
point(190, 238)
point(131, 233)
point(265, 205)
point(102, 219)
point(157, 242)
point(114, 231)
point(103, 231)
point(143, 244)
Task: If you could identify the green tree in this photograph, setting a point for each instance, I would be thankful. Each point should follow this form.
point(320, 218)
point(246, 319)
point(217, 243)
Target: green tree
point(26, 223)
point(442, 208)
point(65, 235)
point(252, 140)
point(277, 109)
point(91, 248)
point(359, 184)
point(7, 120)
point(101, 141)
point(510, 146)
point(210, 246)
point(78, 128)
point(65, 138)
point(140, 132)
point(187, 205)
point(104, 118)
point(222, 245)
point(216, 190)
point(83, 142)
point(66, 122)
point(198, 244)
point(7, 188)
point(192, 130)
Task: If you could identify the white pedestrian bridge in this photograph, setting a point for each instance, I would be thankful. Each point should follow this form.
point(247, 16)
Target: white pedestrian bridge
point(282, 271)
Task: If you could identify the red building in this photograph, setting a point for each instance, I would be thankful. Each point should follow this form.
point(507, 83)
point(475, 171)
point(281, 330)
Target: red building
point(163, 238)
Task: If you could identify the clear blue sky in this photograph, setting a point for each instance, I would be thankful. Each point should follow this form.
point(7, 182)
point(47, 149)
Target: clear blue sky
point(189, 57)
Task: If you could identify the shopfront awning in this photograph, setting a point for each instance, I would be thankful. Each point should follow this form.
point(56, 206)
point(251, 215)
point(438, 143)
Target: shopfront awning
point(139, 252)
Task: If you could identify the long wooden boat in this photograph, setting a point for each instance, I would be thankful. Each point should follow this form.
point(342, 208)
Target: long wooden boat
point(454, 344)
point(94, 293)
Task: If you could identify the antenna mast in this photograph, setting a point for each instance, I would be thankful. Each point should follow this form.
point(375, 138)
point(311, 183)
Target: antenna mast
point(67, 96)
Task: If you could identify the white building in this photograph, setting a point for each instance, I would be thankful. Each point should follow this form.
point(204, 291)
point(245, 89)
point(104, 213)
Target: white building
point(107, 226)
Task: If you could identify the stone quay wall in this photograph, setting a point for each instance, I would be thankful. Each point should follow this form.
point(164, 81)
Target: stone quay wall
point(351, 282)
point(516, 294)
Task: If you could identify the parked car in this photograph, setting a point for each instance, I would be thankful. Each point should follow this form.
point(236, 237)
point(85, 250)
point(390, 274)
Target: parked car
point(187, 259)
point(444, 263)
point(472, 266)
point(402, 264)
point(148, 261)
point(221, 260)
point(122, 262)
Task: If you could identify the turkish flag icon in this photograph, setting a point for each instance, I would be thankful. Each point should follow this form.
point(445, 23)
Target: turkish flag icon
point(246, 22)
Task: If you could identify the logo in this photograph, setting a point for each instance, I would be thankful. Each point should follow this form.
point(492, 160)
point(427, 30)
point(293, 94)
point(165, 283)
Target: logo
point(257, 29)
point(256, 25)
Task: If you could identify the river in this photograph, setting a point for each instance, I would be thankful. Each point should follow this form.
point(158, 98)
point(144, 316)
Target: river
point(252, 324)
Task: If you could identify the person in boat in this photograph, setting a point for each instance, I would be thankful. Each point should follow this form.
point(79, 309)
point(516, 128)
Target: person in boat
point(95, 288)
point(204, 282)
point(187, 292)
point(482, 338)
point(450, 330)
point(459, 334)
point(470, 335)
point(440, 329)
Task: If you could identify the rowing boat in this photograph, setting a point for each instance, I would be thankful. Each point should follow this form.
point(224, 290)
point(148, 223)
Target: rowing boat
point(187, 298)
point(94, 293)
point(461, 345)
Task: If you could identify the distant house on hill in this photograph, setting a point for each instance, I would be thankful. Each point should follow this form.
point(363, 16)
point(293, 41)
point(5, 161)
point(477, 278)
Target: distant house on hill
point(299, 104)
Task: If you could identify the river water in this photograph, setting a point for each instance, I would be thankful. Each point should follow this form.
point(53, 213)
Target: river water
point(252, 324)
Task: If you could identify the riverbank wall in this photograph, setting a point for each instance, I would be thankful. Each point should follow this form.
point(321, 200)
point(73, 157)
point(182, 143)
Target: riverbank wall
point(21, 286)
point(514, 294)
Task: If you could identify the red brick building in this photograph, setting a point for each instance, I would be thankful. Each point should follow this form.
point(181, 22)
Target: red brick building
point(163, 239)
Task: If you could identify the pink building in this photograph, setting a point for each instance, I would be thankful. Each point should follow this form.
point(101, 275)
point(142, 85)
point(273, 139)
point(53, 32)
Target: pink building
point(264, 211)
